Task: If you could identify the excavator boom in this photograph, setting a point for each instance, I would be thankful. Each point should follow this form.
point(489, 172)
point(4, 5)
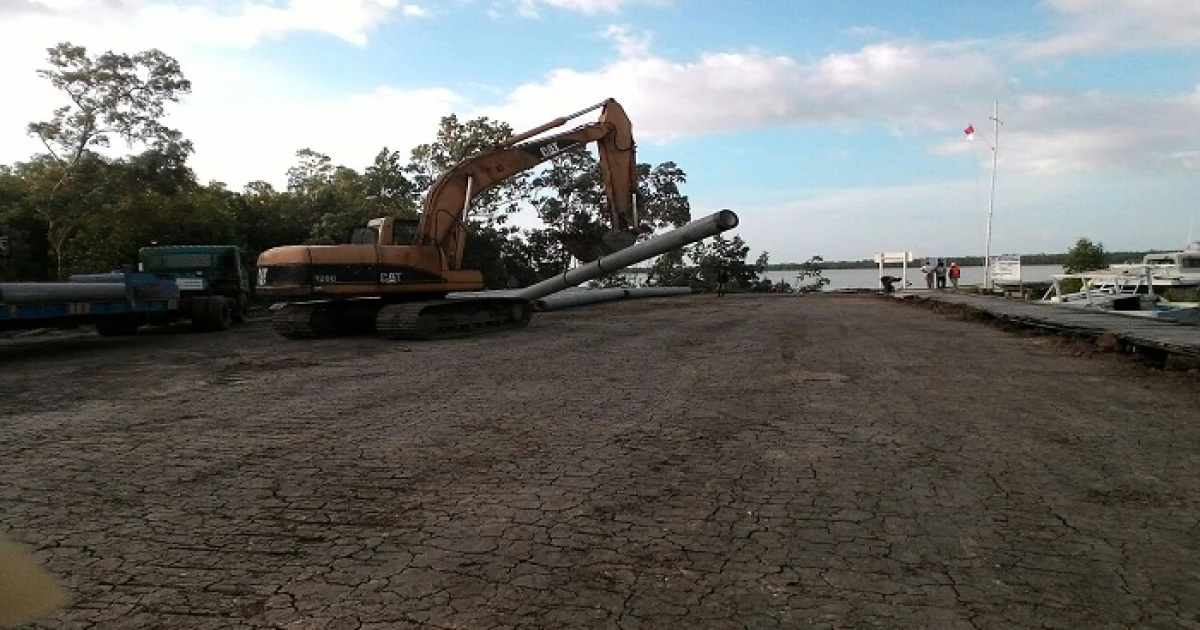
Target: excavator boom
point(443, 217)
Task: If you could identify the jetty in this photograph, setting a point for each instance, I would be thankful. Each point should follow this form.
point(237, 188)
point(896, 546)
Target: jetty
point(1147, 336)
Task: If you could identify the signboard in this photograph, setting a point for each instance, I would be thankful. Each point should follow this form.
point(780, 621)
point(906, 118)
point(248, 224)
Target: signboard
point(894, 257)
point(1006, 269)
point(190, 284)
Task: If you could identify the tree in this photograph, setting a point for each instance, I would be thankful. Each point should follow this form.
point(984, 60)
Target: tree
point(1084, 256)
point(660, 202)
point(718, 253)
point(456, 141)
point(387, 189)
point(111, 95)
point(332, 198)
point(669, 270)
point(811, 268)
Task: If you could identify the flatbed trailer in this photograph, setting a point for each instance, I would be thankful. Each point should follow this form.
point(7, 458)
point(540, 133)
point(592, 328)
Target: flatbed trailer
point(115, 303)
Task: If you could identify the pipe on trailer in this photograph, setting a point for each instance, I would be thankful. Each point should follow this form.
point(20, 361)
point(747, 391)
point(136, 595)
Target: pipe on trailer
point(107, 287)
point(697, 230)
point(44, 292)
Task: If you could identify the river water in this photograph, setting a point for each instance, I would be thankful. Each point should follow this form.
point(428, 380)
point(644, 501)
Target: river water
point(869, 278)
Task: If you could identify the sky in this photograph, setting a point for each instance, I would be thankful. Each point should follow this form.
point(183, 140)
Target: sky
point(832, 128)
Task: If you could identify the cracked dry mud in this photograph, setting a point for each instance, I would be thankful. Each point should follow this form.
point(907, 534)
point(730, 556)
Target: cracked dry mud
point(695, 462)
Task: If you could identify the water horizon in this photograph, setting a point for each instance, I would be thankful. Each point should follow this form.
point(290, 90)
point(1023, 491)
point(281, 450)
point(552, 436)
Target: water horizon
point(840, 279)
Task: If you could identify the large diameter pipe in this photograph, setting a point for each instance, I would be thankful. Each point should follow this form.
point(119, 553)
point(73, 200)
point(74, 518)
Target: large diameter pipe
point(646, 292)
point(112, 276)
point(43, 292)
point(568, 299)
point(697, 230)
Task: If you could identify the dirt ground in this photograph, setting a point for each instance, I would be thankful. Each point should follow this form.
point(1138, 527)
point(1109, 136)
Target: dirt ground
point(694, 462)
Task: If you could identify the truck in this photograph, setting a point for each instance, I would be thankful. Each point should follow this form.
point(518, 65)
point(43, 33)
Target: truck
point(209, 277)
point(207, 285)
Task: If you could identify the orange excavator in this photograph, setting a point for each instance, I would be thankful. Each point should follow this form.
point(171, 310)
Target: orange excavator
point(395, 273)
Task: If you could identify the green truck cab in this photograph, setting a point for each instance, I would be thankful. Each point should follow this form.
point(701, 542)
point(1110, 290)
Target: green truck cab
point(213, 281)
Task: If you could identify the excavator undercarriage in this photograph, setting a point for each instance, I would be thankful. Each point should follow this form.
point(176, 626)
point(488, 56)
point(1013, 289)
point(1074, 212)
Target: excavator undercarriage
point(415, 320)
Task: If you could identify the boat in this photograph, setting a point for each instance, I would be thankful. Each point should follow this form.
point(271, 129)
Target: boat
point(1129, 291)
point(1169, 270)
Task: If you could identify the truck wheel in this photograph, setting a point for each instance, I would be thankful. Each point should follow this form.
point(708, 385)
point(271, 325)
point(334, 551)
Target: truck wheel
point(212, 313)
point(117, 326)
point(197, 309)
point(219, 312)
point(240, 309)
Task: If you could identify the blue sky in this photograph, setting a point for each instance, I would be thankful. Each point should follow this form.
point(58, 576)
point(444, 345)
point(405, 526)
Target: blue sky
point(833, 129)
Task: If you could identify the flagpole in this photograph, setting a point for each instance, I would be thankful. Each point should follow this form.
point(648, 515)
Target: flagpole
point(987, 247)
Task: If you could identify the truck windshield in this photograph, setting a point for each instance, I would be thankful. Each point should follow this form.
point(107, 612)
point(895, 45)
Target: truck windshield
point(180, 261)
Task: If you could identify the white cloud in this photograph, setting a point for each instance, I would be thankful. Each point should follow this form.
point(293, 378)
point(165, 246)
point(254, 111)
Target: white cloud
point(414, 10)
point(246, 116)
point(1064, 133)
point(529, 8)
point(903, 85)
point(904, 88)
point(1091, 26)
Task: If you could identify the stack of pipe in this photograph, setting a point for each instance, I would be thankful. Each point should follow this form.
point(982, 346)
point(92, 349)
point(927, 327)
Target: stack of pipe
point(551, 293)
point(568, 299)
point(45, 292)
point(101, 287)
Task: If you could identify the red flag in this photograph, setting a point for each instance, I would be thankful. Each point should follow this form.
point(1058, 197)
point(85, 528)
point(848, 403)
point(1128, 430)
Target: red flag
point(970, 131)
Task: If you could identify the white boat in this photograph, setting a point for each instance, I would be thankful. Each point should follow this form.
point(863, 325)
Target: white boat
point(1169, 270)
point(1129, 290)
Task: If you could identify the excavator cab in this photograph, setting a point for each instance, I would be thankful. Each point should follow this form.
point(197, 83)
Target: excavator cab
point(404, 232)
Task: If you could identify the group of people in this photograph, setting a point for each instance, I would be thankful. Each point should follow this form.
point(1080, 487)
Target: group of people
point(938, 273)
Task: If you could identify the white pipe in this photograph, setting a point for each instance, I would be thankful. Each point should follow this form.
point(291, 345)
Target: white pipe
point(568, 299)
point(697, 230)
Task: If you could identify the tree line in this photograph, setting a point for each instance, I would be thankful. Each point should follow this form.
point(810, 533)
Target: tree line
point(70, 208)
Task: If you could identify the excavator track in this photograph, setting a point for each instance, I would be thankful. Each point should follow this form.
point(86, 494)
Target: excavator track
point(302, 321)
point(441, 319)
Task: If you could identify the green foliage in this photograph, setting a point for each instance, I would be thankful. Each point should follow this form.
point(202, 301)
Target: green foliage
point(456, 141)
point(669, 270)
point(717, 254)
point(811, 270)
point(1084, 256)
point(109, 95)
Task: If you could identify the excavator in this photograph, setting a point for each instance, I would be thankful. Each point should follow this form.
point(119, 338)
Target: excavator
point(394, 275)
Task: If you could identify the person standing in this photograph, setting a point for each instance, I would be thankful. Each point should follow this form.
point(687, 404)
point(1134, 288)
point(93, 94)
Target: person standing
point(722, 280)
point(927, 271)
point(955, 273)
point(940, 272)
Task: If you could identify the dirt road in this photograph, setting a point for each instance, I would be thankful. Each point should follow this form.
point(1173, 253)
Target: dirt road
point(742, 462)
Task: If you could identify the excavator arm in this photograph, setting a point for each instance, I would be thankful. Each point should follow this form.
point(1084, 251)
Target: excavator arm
point(443, 217)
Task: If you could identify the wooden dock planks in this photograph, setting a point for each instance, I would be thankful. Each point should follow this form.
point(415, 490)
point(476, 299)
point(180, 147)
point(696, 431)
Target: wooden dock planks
point(1164, 335)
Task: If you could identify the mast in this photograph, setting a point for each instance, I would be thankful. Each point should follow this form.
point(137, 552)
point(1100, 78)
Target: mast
point(987, 247)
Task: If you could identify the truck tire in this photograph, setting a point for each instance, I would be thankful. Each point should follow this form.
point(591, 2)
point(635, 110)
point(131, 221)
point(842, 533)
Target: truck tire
point(240, 309)
point(117, 326)
point(212, 313)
